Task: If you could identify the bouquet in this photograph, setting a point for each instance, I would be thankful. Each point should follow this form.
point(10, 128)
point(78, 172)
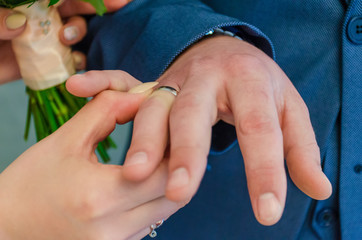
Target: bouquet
point(45, 64)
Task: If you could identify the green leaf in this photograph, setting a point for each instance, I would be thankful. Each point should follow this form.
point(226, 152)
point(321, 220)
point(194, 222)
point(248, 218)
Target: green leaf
point(52, 2)
point(98, 5)
point(14, 3)
point(28, 119)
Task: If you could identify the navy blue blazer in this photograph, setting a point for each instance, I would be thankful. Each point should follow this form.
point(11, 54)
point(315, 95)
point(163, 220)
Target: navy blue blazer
point(317, 43)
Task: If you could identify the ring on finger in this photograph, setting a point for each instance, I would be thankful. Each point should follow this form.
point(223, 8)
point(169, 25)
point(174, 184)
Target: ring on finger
point(169, 89)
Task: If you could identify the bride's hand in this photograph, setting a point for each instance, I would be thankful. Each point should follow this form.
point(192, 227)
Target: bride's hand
point(57, 189)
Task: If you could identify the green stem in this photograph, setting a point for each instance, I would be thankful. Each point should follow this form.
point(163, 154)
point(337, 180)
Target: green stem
point(51, 108)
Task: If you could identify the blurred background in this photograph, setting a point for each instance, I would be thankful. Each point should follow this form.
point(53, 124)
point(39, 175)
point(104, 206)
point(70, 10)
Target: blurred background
point(13, 108)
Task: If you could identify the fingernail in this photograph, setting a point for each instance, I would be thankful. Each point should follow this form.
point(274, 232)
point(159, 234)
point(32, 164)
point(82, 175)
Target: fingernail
point(15, 21)
point(136, 159)
point(179, 178)
point(269, 208)
point(71, 33)
point(142, 88)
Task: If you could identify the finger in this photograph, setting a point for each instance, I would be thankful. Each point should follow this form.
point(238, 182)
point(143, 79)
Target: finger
point(9, 68)
point(150, 213)
point(301, 149)
point(93, 82)
point(100, 115)
point(141, 234)
point(12, 24)
point(75, 7)
point(122, 194)
point(148, 231)
point(149, 138)
point(73, 31)
point(121, 201)
point(80, 60)
point(261, 143)
point(191, 119)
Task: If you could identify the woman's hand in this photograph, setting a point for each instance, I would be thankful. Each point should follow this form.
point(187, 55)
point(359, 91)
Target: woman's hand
point(13, 23)
point(58, 190)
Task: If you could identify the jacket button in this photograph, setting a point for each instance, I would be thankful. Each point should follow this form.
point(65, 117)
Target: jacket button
point(354, 30)
point(357, 168)
point(326, 217)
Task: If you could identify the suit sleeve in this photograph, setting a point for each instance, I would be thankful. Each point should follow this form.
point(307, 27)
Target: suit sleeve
point(145, 37)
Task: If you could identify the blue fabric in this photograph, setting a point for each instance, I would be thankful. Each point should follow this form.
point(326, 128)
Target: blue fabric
point(350, 185)
point(311, 45)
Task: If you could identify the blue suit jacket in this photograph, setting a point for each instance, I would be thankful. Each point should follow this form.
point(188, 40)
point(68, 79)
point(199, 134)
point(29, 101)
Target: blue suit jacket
point(317, 44)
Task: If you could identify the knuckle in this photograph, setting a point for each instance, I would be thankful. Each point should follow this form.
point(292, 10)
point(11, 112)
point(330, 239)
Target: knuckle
point(246, 65)
point(259, 92)
point(256, 123)
point(87, 206)
point(200, 64)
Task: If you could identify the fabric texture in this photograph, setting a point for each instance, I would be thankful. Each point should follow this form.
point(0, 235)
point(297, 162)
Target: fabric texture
point(311, 45)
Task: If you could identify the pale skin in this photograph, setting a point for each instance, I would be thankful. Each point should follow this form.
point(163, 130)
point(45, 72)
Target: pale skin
point(57, 189)
point(223, 78)
point(228, 79)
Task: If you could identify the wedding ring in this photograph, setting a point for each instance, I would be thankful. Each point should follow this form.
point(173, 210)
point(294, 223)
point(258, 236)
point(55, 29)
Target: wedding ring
point(169, 89)
point(153, 232)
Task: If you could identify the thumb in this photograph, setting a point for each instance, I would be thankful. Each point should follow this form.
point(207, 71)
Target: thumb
point(11, 24)
point(98, 118)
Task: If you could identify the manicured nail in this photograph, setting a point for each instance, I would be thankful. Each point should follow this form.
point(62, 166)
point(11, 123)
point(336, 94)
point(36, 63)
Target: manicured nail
point(269, 208)
point(136, 159)
point(15, 21)
point(179, 178)
point(71, 33)
point(143, 88)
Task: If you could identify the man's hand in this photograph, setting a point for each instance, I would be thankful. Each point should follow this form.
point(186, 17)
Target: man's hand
point(223, 78)
point(228, 79)
point(57, 189)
